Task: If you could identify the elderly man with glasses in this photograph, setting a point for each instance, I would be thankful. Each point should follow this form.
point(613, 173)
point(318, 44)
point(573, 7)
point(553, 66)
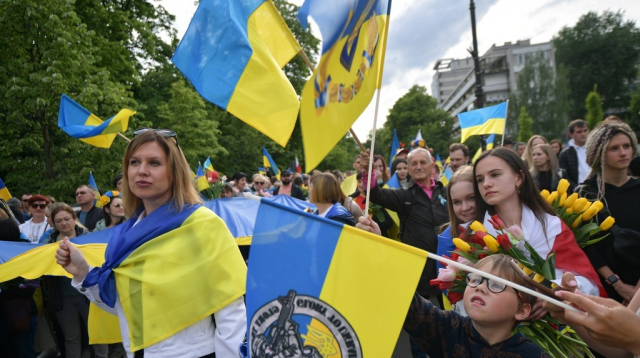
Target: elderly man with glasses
point(89, 214)
point(37, 225)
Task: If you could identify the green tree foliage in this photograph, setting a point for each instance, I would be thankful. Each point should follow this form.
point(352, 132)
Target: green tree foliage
point(600, 49)
point(525, 124)
point(593, 104)
point(544, 94)
point(186, 114)
point(52, 52)
point(414, 111)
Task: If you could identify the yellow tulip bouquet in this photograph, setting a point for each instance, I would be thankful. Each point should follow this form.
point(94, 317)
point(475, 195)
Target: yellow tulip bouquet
point(550, 334)
point(578, 214)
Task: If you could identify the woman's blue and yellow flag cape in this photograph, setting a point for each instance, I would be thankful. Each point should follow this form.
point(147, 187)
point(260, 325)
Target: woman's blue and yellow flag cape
point(326, 288)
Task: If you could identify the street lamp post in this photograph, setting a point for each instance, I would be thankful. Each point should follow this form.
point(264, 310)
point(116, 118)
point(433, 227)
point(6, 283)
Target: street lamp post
point(476, 62)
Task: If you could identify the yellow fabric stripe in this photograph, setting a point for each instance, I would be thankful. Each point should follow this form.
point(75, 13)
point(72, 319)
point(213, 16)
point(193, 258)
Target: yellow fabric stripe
point(244, 241)
point(119, 123)
point(275, 33)
point(492, 126)
point(264, 98)
point(179, 278)
point(384, 270)
point(322, 128)
point(349, 185)
point(41, 261)
point(4, 194)
point(103, 327)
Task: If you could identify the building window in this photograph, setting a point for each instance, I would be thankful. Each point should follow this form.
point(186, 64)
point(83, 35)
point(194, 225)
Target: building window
point(521, 59)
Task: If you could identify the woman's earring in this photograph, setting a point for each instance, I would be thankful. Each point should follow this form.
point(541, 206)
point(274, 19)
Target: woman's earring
point(518, 188)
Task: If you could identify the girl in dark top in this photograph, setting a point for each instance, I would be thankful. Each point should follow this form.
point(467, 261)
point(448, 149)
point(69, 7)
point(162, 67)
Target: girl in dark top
point(545, 171)
point(610, 149)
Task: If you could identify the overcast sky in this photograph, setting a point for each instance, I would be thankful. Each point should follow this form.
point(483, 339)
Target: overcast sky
point(422, 31)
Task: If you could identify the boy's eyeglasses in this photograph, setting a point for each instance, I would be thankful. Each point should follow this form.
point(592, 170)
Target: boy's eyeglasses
point(41, 206)
point(475, 280)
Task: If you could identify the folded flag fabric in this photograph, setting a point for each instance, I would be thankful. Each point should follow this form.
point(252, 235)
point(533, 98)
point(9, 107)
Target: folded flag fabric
point(395, 145)
point(490, 141)
point(240, 213)
point(79, 123)
point(488, 120)
point(393, 182)
point(314, 286)
point(349, 185)
point(4, 192)
point(96, 191)
point(233, 53)
point(349, 72)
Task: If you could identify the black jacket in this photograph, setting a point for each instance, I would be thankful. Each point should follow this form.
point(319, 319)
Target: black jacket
point(568, 160)
point(93, 216)
point(296, 192)
point(419, 219)
point(622, 204)
point(562, 174)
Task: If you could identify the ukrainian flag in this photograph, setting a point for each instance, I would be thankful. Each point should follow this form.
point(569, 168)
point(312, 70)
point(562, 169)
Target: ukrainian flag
point(490, 141)
point(446, 176)
point(96, 191)
point(268, 162)
point(207, 165)
point(233, 53)
point(201, 180)
point(19, 259)
point(395, 145)
point(489, 120)
point(350, 70)
point(79, 123)
point(349, 185)
point(328, 289)
point(4, 192)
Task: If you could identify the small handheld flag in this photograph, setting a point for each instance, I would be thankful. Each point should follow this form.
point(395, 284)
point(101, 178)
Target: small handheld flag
point(269, 163)
point(96, 192)
point(201, 180)
point(207, 165)
point(4, 192)
point(395, 145)
point(489, 120)
point(79, 123)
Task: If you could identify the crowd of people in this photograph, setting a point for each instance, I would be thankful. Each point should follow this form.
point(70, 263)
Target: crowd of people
point(155, 189)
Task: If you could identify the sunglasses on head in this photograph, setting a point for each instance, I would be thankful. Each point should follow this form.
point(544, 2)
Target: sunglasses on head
point(36, 205)
point(167, 133)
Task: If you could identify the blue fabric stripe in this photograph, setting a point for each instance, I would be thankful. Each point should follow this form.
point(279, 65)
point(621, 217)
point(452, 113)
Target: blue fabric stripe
point(480, 116)
point(290, 250)
point(332, 15)
point(72, 118)
point(215, 49)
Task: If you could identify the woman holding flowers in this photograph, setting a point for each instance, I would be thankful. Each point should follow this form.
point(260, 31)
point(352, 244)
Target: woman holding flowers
point(610, 148)
point(504, 187)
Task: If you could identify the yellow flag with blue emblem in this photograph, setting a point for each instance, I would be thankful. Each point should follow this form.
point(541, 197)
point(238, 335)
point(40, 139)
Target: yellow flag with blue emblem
point(327, 290)
point(350, 70)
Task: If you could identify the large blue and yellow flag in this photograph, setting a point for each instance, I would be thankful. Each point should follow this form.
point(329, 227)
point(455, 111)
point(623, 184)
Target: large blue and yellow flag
point(395, 145)
point(4, 192)
point(233, 53)
point(79, 123)
point(268, 162)
point(489, 120)
point(350, 70)
point(314, 286)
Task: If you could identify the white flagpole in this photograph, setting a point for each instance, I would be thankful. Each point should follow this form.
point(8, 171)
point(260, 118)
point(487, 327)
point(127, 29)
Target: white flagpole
point(373, 145)
point(504, 129)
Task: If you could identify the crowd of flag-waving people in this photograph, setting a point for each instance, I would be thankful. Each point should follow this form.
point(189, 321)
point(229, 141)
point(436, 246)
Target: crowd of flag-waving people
point(508, 186)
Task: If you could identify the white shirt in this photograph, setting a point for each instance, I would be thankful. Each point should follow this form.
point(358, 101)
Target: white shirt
point(197, 340)
point(33, 231)
point(583, 167)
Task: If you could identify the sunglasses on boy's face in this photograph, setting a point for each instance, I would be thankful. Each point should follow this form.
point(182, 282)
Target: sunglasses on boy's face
point(36, 205)
point(475, 280)
point(260, 183)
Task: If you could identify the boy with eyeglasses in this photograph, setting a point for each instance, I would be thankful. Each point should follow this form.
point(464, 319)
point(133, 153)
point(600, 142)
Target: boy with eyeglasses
point(494, 309)
point(33, 228)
